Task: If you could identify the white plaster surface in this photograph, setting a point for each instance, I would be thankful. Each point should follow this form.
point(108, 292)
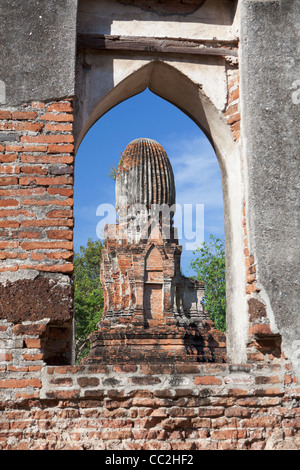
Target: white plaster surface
point(212, 20)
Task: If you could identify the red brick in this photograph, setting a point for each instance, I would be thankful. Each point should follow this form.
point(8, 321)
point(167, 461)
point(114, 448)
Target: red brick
point(45, 245)
point(8, 180)
point(57, 117)
point(252, 288)
point(8, 255)
point(20, 383)
point(46, 181)
point(57, 268)
point(63, 395)
point(34, 170)
point(9, 269)
point(47, 223)
point(237, 392)
point(30, 235)
point(268, 392)
point(30, 329)
point(26, 148)
point(24, 115)
point(238, 412)
point(8, 202)
point(66, 370)
point(260, 329)
point(8, 158)
point(88, 381)
point(24, 126)
point(207, 380)
point(59, 127)
point(23, 192)
point(61, 148)
point(234, 118)
point(58, 255)
point(47, 202)
point(60, 191)
point(260, 422)
point(49, 139)
point(5, 115)
point(57, 214)
point(60, 107)
point(267, 380)
point(60, 234)
point(47, 159)
point(226, 434)
point(250, 278)
point(210, 412)
point(33, 357)
point(33, 343)
point(67, 381)
point(37, 256)
point(236, 126)
point(183, 412)
point(15, 213)
point(4, 244)
point(231, 110)
point(9, 170)
point(7, 357)
point(38, 104)
point(125, 368)
point(233, 95)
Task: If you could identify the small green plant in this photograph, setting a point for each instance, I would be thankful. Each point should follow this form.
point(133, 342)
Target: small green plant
point(113, 172)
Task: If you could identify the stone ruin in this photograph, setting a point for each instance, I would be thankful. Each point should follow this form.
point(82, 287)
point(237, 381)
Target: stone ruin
point(152, 313)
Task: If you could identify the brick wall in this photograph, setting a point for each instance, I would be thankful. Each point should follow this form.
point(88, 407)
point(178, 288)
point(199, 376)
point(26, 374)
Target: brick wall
point(232, 111)
point(155, 407)
point(36, 218)
point(183, 406)
point(36, 181)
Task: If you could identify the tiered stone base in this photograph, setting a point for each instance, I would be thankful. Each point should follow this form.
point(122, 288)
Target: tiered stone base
point(156, 343)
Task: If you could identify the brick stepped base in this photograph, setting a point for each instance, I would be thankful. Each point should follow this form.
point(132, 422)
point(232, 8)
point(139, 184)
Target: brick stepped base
point(156, 344)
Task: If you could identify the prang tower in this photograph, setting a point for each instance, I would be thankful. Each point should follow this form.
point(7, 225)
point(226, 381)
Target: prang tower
point(152, 313)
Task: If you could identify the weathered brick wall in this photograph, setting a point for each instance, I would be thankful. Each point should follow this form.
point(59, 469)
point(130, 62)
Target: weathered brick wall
point(167, 407)
point(36, 219)
point(232, 112)
point(37, 187)
point(183, 406)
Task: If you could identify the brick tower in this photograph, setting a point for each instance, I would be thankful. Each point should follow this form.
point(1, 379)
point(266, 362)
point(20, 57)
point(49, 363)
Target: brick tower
point(152, 313)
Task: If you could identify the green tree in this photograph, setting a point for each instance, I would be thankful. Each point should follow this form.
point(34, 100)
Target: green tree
point(88, 295)
point(209, 266)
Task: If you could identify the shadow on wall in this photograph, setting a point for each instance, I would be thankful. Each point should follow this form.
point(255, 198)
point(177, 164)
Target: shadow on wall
point(95, 17)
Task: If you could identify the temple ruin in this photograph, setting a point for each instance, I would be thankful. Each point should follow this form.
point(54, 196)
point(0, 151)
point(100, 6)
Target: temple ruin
point(152, 313)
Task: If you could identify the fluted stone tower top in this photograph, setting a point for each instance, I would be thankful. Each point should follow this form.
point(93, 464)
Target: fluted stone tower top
point(144, 176)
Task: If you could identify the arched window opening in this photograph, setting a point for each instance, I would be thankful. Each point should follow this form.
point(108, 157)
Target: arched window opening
point(199, 201)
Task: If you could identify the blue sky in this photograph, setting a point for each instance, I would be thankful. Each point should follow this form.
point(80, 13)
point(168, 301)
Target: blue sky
point(195, 166)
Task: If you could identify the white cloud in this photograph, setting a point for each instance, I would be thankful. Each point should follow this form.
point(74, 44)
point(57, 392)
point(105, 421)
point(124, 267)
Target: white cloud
point(198, 181)
point(197, 173)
